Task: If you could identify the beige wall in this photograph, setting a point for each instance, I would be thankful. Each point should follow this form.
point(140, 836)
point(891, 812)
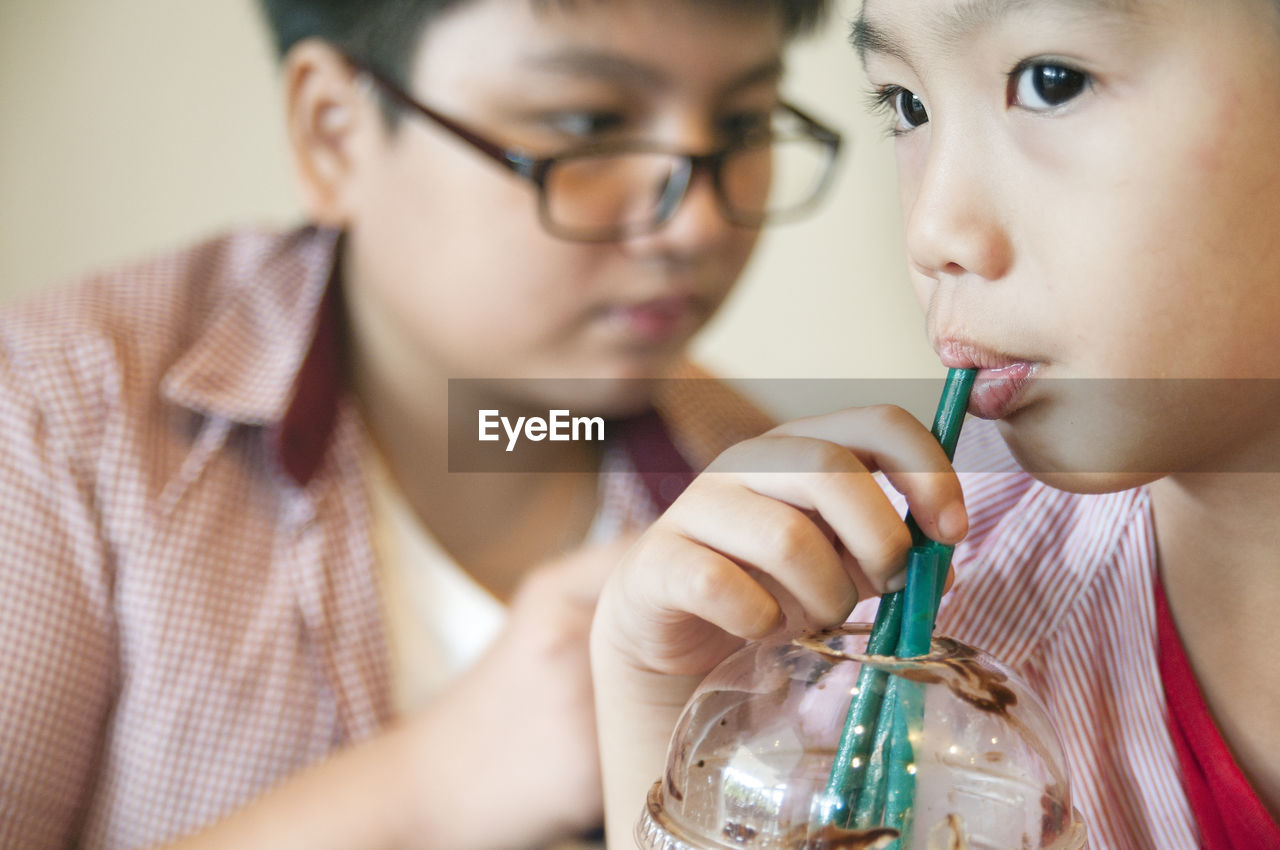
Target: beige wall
point(129, 125)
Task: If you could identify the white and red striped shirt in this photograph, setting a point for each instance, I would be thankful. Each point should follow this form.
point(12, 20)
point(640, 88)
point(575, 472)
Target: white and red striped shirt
point(189, 607)
point(1060, 587)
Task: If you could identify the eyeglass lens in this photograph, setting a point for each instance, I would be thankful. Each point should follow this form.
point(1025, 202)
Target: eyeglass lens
point(611, 193)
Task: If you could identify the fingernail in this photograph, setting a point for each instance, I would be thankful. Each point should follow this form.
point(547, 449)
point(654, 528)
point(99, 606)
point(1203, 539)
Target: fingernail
point(953, 522)
point(896, 582)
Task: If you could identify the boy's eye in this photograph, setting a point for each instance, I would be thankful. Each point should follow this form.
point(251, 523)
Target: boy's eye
point(746, 125)
point(1041, 86)
point(910, 109)
point(583, 124)
point(903, 105)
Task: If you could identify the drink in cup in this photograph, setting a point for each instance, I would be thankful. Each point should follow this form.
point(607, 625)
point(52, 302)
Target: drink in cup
point(750, 762)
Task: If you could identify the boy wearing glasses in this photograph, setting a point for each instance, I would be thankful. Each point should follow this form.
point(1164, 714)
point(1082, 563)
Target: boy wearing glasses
point(245, 596)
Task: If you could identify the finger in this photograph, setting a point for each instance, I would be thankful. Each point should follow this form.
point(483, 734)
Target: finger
point(775, 538)
point(848, 562)
point(678, 577)
point(827, 478)
point(888, 439)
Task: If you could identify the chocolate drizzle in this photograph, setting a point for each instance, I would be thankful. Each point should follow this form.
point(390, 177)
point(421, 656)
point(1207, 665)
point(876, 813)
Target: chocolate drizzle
point(672, 790)
point(799, 837)
point(830, 837)
point(948, 834)
point(952, 663)
point(956, 665)
point(1055, 819)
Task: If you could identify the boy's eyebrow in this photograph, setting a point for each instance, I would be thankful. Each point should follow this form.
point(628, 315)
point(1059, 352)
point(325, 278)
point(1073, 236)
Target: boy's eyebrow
point(614, 68)
point(966, 18)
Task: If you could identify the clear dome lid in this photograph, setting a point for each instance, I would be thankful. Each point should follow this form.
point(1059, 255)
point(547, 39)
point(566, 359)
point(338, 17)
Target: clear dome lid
point(750, 762)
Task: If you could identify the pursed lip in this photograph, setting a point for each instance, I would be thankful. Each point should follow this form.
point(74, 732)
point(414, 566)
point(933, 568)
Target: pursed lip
point(657, 319)
point(1002, 380)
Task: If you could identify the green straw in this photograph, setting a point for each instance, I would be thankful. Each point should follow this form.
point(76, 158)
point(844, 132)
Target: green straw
point(887, 787)
point(907, 719)
point(857, 783)
point(856, 742)
point(949, 417)
point(900, 794)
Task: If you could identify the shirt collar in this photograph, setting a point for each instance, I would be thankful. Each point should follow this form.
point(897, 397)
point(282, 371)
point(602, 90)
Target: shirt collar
point(270, 353)
point(271, 356)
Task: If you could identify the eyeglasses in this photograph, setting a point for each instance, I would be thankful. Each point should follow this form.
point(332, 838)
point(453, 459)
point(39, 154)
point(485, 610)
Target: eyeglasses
point(776, 171)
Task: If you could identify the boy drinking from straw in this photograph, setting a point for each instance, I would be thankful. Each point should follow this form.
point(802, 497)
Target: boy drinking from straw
point(1090, 196)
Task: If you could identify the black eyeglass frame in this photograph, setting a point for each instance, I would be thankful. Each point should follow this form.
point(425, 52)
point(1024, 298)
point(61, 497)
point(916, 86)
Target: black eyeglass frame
point(536, 168)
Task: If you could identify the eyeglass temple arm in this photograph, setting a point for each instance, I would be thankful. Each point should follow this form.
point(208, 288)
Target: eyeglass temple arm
point(819, 130)
point(520, 163)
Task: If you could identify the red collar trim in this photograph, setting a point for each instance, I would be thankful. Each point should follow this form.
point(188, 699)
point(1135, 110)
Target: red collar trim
point(662, 469)
point(303, 435)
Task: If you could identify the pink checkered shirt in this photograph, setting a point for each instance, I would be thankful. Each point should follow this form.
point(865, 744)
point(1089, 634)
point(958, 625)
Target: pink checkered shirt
point(188, 606)
point(1061, 587)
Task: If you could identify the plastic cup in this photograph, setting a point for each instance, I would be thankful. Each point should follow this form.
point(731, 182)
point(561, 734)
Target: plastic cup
point(749, 762)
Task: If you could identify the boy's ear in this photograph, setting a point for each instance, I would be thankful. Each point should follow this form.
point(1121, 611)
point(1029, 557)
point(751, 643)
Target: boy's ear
point(324, 111)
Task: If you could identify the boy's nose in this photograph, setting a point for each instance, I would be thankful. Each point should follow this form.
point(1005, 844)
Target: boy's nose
point(696, 220)
point(954, 223)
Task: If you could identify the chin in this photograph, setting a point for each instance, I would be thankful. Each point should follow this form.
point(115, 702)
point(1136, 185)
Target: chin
point(1093, 437)
point(1083, 466)
point(1087, 483)
point(625, 386)
point(610, 397)
point(610, 384)
point(618, 398)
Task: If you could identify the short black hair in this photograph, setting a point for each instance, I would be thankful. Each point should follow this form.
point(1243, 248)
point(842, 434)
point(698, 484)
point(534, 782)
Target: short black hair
point(384, 33)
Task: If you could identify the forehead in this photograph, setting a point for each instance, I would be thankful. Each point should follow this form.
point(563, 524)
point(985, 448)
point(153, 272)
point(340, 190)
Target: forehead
point(774, 12)
point(650, 45)
point(723, 7)
point(620, 21)
point(884, 26)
